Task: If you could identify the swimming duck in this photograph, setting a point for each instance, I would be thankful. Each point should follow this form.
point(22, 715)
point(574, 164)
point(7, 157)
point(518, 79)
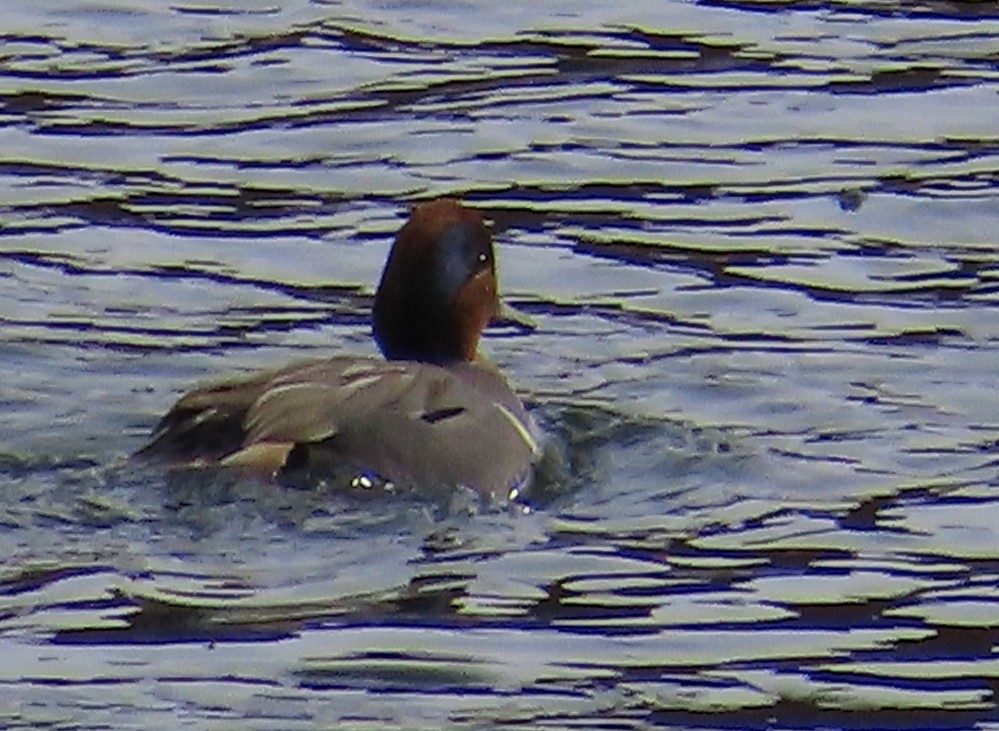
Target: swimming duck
point(432, 414)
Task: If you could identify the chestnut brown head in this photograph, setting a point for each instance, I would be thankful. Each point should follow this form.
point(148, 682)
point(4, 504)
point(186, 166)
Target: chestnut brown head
point(438, 290)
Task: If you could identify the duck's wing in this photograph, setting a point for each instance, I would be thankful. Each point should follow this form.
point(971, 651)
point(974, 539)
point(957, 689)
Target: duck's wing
point(407, 423)
point(411, 423)
point(206, 424)
point(312, 403)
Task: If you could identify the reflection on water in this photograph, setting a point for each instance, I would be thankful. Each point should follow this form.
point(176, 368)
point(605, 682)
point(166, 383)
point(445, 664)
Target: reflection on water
point(758, 239)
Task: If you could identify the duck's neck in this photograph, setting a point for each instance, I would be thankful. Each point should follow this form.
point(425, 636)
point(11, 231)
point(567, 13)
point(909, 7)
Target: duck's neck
point(407, 332)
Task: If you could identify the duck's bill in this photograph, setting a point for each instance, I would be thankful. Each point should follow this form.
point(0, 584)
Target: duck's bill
point(509, 315)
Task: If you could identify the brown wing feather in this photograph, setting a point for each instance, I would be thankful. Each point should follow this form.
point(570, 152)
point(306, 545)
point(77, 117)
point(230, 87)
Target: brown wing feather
point(207, 423)
point(411, 424)
point(408, 423)
point(311, 404)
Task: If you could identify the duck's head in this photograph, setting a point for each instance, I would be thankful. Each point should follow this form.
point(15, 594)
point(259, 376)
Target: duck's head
point(438, 290)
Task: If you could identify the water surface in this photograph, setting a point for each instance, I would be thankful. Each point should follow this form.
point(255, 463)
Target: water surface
point(758, 239)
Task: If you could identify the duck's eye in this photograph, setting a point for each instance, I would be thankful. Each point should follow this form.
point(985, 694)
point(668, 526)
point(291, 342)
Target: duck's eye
point(483, 257)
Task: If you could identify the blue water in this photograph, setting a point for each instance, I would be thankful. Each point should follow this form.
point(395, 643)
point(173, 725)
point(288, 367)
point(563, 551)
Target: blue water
point(759, 242)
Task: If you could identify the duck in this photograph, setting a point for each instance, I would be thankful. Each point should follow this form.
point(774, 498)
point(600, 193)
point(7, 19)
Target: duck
point(431, 414)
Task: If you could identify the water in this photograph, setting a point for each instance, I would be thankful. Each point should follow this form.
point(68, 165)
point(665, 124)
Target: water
point(759, 241)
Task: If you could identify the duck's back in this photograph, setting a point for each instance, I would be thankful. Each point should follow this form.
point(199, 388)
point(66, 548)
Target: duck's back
point(343, 419)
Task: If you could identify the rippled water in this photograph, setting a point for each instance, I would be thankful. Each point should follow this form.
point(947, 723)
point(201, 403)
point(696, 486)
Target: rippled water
point(759, 240)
